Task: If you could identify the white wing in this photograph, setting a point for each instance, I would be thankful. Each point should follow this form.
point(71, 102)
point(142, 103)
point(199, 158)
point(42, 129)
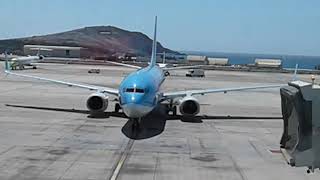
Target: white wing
point(182, 67)
point(171, 95)
point(107, 90)
point(123, 64)
point(161, 65)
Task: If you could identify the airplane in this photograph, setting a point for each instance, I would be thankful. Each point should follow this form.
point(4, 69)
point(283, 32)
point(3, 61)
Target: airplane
point(22, 61)
point(163, 64)
point(139, 92)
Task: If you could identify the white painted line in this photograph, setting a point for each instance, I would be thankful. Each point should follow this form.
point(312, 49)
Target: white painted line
point(122, 160)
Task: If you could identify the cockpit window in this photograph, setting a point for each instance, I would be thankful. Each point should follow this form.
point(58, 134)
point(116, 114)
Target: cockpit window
point(130, 90)
point(139, 90)
point(134, 90)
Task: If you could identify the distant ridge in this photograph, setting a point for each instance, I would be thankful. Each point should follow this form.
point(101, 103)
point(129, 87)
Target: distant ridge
point(99, 40)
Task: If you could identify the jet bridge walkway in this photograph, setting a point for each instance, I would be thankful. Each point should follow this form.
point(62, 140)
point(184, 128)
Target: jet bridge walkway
point(300, 142)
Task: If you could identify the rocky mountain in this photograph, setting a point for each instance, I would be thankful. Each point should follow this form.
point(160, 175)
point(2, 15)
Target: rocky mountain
point(98, 40)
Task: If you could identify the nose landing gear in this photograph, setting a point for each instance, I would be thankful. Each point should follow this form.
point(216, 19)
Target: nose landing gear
point(136, 124)
point(310, 169)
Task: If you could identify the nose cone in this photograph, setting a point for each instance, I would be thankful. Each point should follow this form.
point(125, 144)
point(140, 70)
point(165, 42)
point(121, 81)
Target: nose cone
point(133, 105)
point(133, 110)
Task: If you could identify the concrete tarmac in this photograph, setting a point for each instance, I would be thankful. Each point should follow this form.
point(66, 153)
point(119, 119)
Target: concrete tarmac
point(50, 145)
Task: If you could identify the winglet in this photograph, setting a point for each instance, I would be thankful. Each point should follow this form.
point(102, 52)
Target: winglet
point(7, 68)
point(153, 60)
point(38, 53)
point(295, 73)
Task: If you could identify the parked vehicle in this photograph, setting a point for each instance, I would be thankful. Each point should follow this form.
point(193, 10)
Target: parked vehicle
point(195, 73)
point(97, 71)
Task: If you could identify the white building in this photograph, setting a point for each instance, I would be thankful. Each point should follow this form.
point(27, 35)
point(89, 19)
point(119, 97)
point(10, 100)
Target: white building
point(197, 60)
point(268, 63)
point(218, 61)
point(53, 51)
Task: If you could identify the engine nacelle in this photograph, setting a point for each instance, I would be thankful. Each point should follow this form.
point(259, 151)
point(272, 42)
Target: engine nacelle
point(97, 102)
point(41, 57)
point(189, 106)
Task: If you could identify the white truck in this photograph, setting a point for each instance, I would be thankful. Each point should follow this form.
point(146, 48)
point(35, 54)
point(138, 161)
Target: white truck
point(195, 73)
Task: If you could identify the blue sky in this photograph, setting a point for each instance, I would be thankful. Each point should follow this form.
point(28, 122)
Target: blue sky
point(249, 26)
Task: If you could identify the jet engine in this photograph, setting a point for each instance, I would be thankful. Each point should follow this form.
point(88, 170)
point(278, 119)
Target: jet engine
point(97, 103)
point(41, 57)
point(189, 106)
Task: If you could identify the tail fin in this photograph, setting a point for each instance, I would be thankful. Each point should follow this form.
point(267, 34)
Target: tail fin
point(153, 60)
point(164, 57)
point(295, 73)
point(38, 53)
point(7, 68)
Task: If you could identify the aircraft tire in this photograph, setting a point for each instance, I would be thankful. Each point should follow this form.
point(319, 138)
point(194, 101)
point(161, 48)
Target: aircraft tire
point(174, 110)
point(117, 107)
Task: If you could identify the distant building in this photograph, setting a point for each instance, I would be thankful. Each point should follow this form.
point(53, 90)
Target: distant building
point(146, 59)
point(197, 60)
point(173, 58)
point(143, 59)
point(53, 51)
point(268, 63)
point(218, 61)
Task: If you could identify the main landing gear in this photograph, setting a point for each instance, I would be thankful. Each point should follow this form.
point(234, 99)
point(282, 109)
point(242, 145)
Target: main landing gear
point(171, 108)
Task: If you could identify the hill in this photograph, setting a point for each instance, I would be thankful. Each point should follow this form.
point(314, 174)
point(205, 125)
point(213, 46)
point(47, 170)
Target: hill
point(99, 40)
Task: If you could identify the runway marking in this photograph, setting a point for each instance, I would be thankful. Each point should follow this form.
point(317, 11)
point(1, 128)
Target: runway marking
point(234, 162)
point(121, 160)
point(155, 167)
point(7, 150)
point(237, 168)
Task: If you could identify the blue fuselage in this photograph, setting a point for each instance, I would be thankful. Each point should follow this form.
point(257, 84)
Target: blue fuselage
point(139, 91)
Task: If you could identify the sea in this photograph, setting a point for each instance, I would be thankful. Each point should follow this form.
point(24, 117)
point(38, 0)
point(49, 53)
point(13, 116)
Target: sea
point(288, 61)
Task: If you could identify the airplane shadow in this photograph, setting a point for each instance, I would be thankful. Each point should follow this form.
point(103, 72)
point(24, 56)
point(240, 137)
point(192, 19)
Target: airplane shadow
point(151, 125)
point(102, 115)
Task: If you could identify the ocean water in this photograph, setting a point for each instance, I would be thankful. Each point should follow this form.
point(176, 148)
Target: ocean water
point(288, 61)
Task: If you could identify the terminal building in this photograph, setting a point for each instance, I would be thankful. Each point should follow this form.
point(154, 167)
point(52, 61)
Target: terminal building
point(53, 51)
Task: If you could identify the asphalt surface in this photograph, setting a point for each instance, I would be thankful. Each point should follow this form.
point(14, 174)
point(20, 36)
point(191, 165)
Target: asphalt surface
point(49, 145)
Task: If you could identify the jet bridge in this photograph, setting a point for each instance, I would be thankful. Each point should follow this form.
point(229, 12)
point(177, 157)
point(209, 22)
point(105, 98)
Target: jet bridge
point(300, 142)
